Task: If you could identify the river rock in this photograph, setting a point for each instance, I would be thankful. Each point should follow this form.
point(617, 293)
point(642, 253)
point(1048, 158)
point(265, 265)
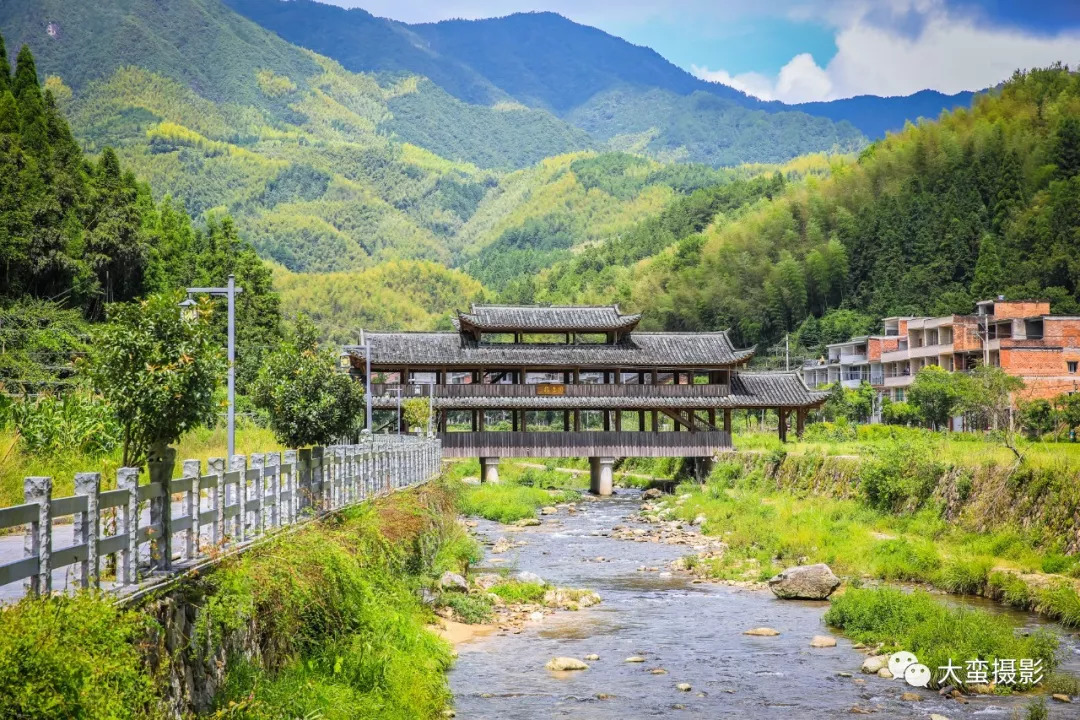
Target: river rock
point(528, 522)
point(935, 716)
point(485, 581)
point(885, 673)
point(501, 545)
point(548, 510)
point(658, 671)
point(592, 656)
point(529, 577)
point(452, 582)
point(874, 663)
point(699, 520)
point(911, 697)
point(652, 494)
point(762, 632)
point(635, 659)
point(1062, 697)
point(804, 582)
point(685, 687)
point(565, 663)
point(823, 641)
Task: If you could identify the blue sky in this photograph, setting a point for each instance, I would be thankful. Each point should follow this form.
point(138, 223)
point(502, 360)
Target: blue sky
point(802, 50)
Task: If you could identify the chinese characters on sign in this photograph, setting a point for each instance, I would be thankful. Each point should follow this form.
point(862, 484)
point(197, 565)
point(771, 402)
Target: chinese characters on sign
point(1008, 672)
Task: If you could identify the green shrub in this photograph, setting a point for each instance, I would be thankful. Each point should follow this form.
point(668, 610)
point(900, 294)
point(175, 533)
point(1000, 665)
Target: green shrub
point(515, 591)
point(1057, 564)
point(959, 576)
point(1063, 684)
point(471, 609)
point(901, 559)
point(1037, 710)
point(934, 632)
point(73, 657)
point(74, 422)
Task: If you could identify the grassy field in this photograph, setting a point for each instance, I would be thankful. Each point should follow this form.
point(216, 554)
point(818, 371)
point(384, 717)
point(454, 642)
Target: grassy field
point(955, 448)
point(201, 443)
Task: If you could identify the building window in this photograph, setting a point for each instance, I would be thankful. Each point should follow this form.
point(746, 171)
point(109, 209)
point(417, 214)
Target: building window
point(1072, 366)
point(899, 395)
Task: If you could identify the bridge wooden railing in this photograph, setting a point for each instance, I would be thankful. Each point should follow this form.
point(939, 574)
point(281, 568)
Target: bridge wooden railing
point(549, 389)
point(219, 509)
point(583, 444)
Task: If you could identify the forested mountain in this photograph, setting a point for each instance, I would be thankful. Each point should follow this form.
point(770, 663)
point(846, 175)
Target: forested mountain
point(544, 60)
point(985, 201)
point(77, 233)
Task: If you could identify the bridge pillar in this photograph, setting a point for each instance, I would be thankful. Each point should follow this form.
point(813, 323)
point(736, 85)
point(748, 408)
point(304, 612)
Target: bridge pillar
point(600, 475)
point(703, 467)
point(489, 470)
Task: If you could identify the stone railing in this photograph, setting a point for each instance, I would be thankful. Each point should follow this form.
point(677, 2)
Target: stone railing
point(152, 536)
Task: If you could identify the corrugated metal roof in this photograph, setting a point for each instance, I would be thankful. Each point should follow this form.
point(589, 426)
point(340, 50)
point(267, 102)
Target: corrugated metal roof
point(553, 318)
point(644, 350)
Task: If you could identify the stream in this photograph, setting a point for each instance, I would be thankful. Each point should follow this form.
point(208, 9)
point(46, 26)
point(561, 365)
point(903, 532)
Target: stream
point(692, 630)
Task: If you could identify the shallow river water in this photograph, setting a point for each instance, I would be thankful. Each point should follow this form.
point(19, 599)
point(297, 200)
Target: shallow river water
point(694, 631)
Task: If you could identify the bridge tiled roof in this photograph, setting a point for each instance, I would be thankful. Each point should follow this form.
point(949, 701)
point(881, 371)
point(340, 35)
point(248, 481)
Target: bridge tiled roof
point(540, 319)
point(637, 350)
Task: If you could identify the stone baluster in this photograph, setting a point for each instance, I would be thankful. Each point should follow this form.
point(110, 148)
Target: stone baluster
point(127, 478)
point(87, 529)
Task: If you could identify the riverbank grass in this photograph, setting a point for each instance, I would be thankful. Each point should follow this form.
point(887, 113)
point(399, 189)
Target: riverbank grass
point(938, 635)
point(520, 492)
point(766, 530)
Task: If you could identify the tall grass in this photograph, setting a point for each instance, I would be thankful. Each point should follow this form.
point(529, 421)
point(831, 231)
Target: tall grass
point(935, 633)
point(16, 463)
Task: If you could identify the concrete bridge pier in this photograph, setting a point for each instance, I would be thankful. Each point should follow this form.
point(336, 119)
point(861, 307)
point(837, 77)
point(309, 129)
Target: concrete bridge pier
point(702, 467)
point(489, 470)
point(601, 471)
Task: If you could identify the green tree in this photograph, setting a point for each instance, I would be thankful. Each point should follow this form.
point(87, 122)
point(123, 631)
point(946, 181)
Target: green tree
point(308, 400)
point(1067, 146)
point(416, 412)
point(937, 394)
point(1038, 417)
point(157, 370)
point(989, 274)
point(987, 396)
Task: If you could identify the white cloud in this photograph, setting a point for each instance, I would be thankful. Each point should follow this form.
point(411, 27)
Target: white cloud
point(947, 53)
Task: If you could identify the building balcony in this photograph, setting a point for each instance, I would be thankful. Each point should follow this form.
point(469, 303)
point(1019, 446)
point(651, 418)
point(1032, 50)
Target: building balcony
point(583, 444)
point(853, 359)
point(898, 380)
point(895, 355)
point(931, 350)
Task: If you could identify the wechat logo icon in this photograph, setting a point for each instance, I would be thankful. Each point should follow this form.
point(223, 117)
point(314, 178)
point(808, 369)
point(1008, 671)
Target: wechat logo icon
point(905, 665)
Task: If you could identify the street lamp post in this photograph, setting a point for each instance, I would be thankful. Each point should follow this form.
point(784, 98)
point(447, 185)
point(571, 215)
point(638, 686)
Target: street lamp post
point(230, 291)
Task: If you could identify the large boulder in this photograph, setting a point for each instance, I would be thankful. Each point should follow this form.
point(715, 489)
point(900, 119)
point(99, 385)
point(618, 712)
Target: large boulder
point(805, 582)
point(452, 582)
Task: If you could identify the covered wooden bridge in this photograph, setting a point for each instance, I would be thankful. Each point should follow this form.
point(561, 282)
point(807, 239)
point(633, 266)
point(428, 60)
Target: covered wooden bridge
point(514, 381)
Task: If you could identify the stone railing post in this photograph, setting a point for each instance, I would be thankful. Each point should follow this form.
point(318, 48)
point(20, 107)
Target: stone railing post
point(272, 470)
point(303, 479)
point(238, 464)
point(160, 465)
point(290, 485)
point(258, 492)
point(318, 479)
point(127, 478)
point(192, 508)
point(216, 466)
point(38, 542)
point(87, 529)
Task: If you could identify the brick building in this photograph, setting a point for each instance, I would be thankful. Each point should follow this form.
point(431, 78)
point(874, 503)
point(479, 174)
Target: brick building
point(1019, 336)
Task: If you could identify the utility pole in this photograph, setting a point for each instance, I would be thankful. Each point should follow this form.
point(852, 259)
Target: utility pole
point(230, 291)
point(787, 352)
